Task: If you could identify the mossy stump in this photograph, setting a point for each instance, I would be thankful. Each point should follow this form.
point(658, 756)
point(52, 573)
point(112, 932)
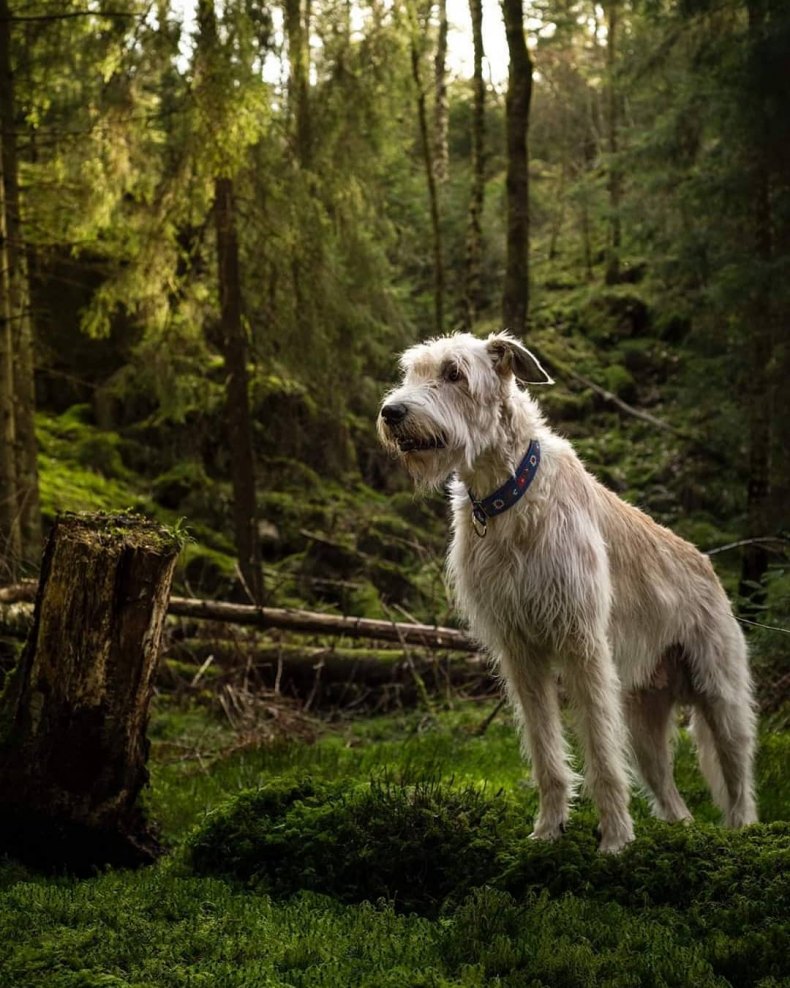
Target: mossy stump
point(73, 716)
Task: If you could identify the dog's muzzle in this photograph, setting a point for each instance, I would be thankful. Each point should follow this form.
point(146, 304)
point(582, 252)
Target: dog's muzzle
point(394, 416)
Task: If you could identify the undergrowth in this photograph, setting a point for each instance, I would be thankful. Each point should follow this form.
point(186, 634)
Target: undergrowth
point(403, 861)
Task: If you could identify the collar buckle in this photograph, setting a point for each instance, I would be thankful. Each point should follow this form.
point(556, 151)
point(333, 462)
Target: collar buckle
point(479, 520)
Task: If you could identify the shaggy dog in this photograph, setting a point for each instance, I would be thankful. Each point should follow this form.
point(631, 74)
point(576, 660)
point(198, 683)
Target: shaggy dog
point(556, 574)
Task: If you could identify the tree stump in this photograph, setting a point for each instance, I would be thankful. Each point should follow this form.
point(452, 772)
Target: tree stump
point(73, 716)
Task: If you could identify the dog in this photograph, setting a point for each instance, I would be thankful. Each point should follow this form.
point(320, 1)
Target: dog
point(557, 576)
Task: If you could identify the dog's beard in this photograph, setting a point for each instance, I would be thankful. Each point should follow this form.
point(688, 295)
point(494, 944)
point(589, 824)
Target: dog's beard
point(428, 469)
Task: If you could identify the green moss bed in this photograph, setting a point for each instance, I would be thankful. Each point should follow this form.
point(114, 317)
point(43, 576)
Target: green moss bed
point(395, 851)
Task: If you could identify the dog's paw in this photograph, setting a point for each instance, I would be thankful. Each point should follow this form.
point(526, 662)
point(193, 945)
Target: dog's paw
point(614, 839)
point(548, 831)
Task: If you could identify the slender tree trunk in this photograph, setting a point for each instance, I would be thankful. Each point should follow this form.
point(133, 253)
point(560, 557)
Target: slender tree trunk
point(74, 712)
point(474, 236)
point(614, 179)
point(10, 530)
point(433, 195)
point(19, 308)
point(441, 155)
point(515, 303)
point(237, 408)
point(586, 246)
point(761, 346)
point(559, 216)
point(297, 32)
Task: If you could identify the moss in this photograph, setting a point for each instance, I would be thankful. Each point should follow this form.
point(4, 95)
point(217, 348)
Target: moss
point(619, 381)
point(415, 845)
point(364, 601)
point(256, 838)
point(172, 488)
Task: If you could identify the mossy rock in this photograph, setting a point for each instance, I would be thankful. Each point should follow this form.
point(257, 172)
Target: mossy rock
point(615, 315)
point(173, 488)
point(207, 571)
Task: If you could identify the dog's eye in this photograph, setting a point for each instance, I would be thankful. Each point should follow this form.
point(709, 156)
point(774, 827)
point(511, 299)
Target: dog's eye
point(452, 373)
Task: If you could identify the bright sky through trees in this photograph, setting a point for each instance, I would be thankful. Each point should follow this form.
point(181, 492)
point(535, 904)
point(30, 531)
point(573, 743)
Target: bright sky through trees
point(460, 39)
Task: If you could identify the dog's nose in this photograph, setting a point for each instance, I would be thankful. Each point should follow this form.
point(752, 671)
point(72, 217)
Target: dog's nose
point(394, 414)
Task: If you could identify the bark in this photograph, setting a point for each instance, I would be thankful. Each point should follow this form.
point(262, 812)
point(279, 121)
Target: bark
point(298, 33)
point(760, 382)
point(586, 246)
point(26, 466)
point(432, 636)
point(441, 111)
point(433, 194)
point(237, 406)
point(73, 716)
point(614, 178)
point(474, 237)
point(10, 529)
point(515, 303)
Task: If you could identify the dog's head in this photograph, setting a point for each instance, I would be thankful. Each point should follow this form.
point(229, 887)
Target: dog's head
point(448, 409)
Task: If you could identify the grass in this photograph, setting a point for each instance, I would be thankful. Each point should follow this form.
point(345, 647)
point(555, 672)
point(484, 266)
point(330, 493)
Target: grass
point(698, 907)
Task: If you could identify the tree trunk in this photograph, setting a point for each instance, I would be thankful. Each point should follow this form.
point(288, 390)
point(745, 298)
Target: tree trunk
point(760, 346)
point(515, 303)
point(433, 196)
point(237, 407)
point(474, 237)
point(441, 154)
point(26, 467)
point(298, 34)
point(73, 716)
point(10, 529)
point(614, 180)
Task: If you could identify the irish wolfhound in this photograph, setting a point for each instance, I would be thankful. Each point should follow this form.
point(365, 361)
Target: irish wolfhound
point(557, 574)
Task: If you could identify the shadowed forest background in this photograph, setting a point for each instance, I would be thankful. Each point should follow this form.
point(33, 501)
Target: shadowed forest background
point(219, 227)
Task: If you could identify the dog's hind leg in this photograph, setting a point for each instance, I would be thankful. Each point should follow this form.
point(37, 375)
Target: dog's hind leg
point(532, 687)
point(649, 717)
point(724, 732)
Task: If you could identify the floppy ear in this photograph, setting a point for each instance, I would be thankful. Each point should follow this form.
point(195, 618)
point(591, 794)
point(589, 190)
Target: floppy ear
point(510, 356)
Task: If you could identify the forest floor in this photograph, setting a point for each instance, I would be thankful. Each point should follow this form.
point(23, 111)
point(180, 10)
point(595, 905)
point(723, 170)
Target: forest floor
point(393, 851)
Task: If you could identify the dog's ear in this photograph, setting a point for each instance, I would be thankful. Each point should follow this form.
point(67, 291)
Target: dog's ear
point(510, 356)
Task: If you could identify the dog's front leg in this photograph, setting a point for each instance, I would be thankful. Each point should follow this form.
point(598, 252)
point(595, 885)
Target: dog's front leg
point(594, 690)
point(532, 686)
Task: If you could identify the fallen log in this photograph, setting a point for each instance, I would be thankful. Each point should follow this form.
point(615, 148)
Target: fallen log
point(313, 622)
point(330, 676)
point(310, 622)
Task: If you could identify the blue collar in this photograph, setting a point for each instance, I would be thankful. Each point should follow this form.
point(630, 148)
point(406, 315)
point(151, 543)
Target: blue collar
point(511, 491)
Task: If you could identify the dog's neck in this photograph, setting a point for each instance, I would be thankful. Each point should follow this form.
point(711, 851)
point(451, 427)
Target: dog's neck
point(520, 422)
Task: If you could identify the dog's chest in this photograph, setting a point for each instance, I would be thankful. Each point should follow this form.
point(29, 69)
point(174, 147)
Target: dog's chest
point(497, 579)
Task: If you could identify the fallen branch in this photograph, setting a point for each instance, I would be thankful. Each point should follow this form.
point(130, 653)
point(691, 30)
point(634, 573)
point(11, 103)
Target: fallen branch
point(313, 622)
point(310, 622)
